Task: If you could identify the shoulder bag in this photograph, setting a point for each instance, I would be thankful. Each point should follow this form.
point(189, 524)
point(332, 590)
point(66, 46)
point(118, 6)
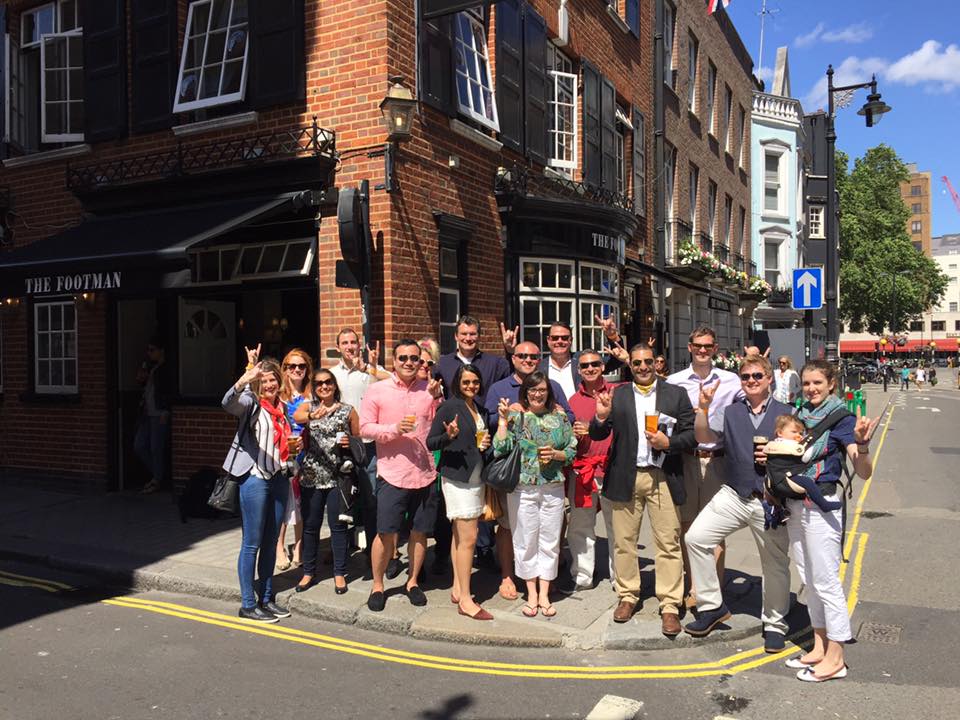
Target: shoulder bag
point(226, 490)
point(504, 473)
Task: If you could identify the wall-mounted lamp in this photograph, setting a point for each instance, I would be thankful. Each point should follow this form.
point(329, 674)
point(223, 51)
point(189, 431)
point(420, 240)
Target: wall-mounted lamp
point(397, 110)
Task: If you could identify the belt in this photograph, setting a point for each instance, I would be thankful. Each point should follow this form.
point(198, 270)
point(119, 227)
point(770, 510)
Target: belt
point(705, 453)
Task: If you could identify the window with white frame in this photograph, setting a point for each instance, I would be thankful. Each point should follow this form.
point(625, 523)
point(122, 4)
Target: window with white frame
point(55, 347)
point(953, 308)
point(550, 275)
point(693, 52)
point(563, 115)
point(599, 297)
point(771, 262)
point(213, 64)
point(816, 222)
point(694, 193)
point(475, 96)
point(711, 96)
point(37, 22)
point(743, 130)
point(451, 286)
point(774, 197)
point(229, 263)
point(727, 130)
point(727, 219)
point(711, 208)
point(669, 25)
point(61, 86)
point(916, 227)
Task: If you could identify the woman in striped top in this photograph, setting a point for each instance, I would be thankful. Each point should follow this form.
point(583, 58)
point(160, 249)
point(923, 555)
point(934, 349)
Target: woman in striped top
point(258, 458)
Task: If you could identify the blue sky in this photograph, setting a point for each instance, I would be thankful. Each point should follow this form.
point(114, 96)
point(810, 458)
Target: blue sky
point(913, 47)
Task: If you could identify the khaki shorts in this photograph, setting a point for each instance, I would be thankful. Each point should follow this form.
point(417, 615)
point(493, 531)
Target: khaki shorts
point(702, 477)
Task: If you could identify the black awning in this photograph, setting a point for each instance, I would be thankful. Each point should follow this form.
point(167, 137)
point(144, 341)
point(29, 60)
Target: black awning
point(98, 247)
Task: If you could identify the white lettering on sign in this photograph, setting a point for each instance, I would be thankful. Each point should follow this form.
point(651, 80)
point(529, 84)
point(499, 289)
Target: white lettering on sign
point(615, 243)
point(80, 282)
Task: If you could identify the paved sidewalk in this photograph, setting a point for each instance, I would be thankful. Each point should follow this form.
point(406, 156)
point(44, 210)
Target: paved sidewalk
point(131, 541)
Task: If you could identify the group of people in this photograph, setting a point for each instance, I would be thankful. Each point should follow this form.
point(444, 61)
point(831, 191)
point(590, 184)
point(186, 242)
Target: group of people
point(688, 449)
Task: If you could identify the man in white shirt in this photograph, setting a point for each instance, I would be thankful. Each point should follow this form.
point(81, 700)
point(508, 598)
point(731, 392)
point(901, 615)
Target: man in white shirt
point(563, 366)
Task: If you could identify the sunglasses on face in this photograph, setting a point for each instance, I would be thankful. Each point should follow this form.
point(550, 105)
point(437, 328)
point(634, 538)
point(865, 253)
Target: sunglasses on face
point(325, 382)
point(559, 338)
point(592, 364)
point(415, 359)
point(643, 361)
point(527, 356)
point(296, 366)
point(703, 347)
point(428, 363)
point(752, 376)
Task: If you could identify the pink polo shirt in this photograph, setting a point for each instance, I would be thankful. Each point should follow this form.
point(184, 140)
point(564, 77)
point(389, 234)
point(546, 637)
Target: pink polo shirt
point(402, 460)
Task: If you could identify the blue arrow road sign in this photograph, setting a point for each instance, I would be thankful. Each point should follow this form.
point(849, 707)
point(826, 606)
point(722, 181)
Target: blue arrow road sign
point(807, 288)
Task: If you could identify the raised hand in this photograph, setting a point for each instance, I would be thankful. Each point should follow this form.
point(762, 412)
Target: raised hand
point(865, 427)
point(510, 337)
point(452, 428)
point(604, 405)
point(706, 394)
point(619, 352)
point(253, 354)
point(250, 375)
point(503, 407)
point(651, 342)
point(323, 410)
point(373, 353)
point(435, 387)
point(609, 325)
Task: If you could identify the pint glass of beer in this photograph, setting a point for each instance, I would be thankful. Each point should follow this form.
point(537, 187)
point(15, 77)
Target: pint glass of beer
point(650, 422)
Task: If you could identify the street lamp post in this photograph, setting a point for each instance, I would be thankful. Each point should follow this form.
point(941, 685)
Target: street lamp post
point(872, 110)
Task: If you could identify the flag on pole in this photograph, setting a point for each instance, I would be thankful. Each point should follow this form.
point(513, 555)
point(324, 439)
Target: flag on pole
point(712, 7)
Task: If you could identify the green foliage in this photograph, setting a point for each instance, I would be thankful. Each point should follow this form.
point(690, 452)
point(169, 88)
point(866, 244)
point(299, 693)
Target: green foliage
point(875, 245)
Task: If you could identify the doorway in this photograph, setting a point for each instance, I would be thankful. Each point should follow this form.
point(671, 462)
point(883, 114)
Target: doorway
point(136, 323)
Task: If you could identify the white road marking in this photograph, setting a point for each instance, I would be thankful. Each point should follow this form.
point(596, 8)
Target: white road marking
point(924, 407)
point(613, 707)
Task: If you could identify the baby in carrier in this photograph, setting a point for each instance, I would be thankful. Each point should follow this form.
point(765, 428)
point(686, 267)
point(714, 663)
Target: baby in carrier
point(786, 465)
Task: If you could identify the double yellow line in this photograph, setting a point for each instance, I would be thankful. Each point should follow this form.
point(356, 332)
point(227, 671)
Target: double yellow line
point(15, 580)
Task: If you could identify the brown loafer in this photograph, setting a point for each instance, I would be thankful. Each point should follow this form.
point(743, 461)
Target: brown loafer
point(670, 624)
point(624, 611)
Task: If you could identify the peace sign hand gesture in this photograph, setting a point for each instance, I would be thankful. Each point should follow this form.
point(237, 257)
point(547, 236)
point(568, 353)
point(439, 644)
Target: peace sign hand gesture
point(707, 393)
point(864, 429)
point(452, 428)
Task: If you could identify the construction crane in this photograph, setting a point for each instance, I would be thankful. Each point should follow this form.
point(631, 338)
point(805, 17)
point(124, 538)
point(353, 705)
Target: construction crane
point(953, 193)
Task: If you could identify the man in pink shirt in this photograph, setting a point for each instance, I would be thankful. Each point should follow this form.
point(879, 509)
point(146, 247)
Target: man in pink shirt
point(396, 414)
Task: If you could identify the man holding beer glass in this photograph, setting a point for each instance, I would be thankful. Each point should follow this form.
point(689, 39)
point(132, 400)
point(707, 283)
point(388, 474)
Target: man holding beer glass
point(651, 422)
point(745, 426)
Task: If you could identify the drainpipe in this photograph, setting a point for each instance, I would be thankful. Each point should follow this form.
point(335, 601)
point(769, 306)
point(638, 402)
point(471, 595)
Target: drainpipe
point(659, 122)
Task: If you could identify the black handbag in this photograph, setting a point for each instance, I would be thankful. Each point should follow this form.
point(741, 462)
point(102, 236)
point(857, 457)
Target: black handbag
point(504, 473)
point(226, 494)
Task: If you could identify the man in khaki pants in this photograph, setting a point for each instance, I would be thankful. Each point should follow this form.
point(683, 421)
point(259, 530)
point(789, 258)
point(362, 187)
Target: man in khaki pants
point(644, 472)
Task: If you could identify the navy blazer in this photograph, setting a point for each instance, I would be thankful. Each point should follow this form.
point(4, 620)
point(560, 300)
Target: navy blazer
point(460, 455)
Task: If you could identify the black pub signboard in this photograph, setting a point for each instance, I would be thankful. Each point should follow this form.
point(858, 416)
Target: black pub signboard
point(71, 283)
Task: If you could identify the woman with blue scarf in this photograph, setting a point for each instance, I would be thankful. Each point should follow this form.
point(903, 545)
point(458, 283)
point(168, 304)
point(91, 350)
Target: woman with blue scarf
point(815, 535)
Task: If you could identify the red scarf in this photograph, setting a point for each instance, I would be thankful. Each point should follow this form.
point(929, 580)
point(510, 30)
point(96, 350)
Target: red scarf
point(281, 428)
point(586, 469)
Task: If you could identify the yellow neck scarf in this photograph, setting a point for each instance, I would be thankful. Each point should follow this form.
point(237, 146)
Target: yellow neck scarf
point(645, 389)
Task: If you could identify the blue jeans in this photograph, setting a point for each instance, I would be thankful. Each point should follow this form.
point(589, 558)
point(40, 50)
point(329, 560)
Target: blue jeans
point(312, 504)
point(368, 495)
point(262, 507)
point(151, 445)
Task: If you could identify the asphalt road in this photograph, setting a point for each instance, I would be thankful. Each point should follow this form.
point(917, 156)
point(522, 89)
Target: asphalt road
point(83, 653)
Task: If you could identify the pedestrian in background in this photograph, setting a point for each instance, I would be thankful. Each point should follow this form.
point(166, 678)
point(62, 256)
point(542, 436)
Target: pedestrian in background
point(786, 381)
point(816, 535)
point(152, 440)
point(905, 378)
point(547, 445)
point(258, 458)
point(459, 431)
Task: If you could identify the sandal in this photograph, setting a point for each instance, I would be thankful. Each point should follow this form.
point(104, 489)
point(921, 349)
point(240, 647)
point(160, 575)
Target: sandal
point(548, 610)
point(529, 611)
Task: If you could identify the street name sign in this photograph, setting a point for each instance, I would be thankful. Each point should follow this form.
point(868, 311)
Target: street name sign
point(807, 288)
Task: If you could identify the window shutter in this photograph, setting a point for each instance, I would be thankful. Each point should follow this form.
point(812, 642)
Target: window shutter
point(535, 84)
point(154, 63)
point(4, 79)
point(436, 64)
point(510, 37)
point(633, 16)
point(639, 163)
point(104, 70)
point(608, 131)
point(591, 125)
point(277, 68)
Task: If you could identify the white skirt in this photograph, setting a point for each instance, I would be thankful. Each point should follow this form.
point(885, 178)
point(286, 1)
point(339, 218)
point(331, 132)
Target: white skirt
point(464, 500)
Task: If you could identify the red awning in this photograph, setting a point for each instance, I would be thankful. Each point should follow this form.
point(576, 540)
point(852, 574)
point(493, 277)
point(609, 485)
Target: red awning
point(853, 347)
point(858, 346)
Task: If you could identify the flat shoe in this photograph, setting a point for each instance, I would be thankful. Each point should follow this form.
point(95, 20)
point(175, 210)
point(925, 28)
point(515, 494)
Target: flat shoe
point(480, 614)
point(808, 675)
point(454, 600)
point(529, 611)
point(303, 587)
point(797, 664)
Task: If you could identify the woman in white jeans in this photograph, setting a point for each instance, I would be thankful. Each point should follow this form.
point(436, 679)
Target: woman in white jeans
point(547, 445)
point(815, 535)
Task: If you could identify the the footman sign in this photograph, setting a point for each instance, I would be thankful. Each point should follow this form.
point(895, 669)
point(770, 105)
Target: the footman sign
point(81, 282)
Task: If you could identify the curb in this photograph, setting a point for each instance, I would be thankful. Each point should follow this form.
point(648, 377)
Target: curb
point(402, 623)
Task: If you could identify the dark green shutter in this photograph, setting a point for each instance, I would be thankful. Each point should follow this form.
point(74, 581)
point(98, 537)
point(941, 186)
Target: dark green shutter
point(639, 163)
point(509, 54)
point(436, 65)
point(3, 77)
point(104, 70)
point(535, 84)
point(276, 66)
point(591, 125)
point(633, 16)
point(154, 63)
point(608, 131)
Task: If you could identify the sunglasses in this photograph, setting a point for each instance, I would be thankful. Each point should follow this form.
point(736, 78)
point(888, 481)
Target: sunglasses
point(592, 364)
point(527, 356)
point(325, 382)
point(752, 376)
point(428, 363)
point(643, 361)
point(470, 382)
point(559, 338)
point(296, 366)
point(703, 346)
point(415, 359)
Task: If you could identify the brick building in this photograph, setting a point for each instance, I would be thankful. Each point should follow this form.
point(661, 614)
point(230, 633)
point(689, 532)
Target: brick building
point(178, 167)
point(708, 87)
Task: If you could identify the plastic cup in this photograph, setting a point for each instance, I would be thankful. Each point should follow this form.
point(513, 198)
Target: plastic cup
point(481, 434)
point(650, 422)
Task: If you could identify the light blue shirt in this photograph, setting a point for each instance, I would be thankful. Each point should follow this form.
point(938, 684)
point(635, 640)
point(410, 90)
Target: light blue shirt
point(727, 393)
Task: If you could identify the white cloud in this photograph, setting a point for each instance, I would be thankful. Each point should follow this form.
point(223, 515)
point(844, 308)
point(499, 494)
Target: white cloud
point(765, 73)
point(850, 71)
point(937, 69)
point(858, 33)
point(810, 38)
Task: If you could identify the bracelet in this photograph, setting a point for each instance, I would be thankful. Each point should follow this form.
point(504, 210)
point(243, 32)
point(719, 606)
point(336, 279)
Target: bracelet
point(863, 448)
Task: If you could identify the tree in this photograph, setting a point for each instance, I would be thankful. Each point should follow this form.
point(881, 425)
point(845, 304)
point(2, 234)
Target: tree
point(874, 244)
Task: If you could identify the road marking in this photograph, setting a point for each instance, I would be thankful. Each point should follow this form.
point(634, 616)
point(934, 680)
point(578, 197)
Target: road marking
point(614, 707)
point(15, 580)
point(852, 532)
point(924, 407)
